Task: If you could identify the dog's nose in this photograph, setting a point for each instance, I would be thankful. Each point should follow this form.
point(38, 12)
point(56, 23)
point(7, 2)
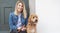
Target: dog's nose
point(36, 20)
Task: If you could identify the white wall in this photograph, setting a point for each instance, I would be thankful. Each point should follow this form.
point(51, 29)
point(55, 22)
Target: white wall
point(48, 12)
point(32, 6)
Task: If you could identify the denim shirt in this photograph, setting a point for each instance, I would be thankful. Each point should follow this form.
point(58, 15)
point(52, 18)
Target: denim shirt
point(13, 19)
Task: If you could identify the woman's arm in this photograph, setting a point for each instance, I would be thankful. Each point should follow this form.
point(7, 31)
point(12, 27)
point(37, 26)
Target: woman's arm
point(26, 21)
point(11, 22)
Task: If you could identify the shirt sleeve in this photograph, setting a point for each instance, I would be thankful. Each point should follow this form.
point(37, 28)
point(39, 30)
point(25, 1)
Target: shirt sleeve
point(11, 22)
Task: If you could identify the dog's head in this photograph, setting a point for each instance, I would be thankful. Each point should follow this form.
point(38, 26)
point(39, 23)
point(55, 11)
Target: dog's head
point(33, 18)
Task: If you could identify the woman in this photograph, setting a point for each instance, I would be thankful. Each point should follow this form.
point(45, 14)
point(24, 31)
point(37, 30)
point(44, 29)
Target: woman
point(18, 18)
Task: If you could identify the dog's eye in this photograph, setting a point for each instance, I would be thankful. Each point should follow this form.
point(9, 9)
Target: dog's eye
point(36, 17)
point(33, 17)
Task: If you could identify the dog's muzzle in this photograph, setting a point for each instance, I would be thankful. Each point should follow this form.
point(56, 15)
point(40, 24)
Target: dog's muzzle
point(36, 20)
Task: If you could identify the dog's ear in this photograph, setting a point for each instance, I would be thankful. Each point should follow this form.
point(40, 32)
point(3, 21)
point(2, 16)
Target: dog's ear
point(29, 19)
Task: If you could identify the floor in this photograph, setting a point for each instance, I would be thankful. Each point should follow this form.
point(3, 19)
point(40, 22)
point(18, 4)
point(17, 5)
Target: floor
point(4, 31)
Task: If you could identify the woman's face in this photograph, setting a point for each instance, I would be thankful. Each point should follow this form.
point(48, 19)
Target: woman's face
point(19, 7)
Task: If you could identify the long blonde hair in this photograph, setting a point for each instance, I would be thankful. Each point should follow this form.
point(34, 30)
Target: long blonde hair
point(24, 9)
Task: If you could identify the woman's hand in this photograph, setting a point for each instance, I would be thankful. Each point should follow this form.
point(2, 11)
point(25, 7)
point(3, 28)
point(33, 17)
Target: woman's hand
point(19, 29)
point(23, 28)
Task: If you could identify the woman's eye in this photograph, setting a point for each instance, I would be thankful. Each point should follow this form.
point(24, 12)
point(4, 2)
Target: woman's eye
point(19, 5)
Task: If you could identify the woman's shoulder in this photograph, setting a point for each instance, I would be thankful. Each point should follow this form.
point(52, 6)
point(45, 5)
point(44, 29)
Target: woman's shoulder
point(11, 13)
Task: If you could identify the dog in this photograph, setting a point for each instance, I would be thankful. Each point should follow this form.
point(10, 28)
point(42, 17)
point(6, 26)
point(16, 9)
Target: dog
point(32, 22)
